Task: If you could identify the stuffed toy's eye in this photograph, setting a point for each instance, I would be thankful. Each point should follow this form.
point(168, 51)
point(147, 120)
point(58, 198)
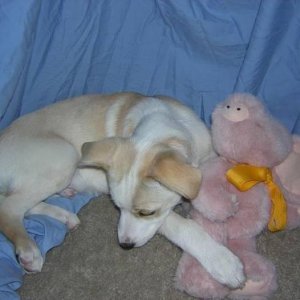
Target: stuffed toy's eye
point(236, 112)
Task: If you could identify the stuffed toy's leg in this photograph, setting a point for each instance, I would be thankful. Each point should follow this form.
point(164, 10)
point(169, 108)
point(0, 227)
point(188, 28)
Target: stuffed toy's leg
point(260, 273)
point(193, 279)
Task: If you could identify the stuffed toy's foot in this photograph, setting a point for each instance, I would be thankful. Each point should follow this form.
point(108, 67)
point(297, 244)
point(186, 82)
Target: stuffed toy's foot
point(193, 279)
point(261, 282)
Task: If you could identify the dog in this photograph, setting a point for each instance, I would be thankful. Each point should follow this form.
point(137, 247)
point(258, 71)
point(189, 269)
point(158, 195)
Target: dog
point(144, 151)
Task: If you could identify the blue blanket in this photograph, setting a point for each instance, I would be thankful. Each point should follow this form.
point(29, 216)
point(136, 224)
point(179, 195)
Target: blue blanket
point(196, 51)
point(46, 232)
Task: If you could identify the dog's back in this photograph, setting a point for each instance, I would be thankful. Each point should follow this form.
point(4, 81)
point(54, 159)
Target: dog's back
point(76, 120)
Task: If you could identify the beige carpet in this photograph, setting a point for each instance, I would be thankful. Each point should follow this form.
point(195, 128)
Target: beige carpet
point(91, 265)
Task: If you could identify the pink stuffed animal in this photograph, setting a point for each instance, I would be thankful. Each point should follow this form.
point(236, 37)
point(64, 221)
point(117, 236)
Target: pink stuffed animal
point(242, 132)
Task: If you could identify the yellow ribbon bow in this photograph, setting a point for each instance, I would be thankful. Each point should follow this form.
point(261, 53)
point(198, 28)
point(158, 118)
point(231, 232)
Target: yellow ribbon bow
point(244, 177)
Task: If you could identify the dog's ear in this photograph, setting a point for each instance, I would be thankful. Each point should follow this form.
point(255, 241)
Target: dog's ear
point(100, 154)
point(171, 171)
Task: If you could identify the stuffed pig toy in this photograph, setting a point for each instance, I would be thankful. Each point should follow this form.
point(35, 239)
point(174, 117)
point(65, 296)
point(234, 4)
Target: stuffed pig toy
point(242, 193)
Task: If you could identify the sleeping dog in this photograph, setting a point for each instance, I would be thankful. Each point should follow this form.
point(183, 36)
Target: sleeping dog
point(143, 151)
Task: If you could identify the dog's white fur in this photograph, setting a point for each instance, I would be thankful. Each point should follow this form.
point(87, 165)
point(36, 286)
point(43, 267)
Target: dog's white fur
point(144, 151)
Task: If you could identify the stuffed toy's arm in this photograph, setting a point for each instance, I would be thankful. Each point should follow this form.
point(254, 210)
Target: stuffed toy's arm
point(215, 201)
point(220, 262)
point(253, 213)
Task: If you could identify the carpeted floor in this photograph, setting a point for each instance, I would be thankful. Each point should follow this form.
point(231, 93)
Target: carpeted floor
point(91, 266)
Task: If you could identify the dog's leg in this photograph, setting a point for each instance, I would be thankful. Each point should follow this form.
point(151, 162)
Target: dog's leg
point(62, 215)
point(45, 167)
point(92, 181)
point(12, 213)
point(219, 261)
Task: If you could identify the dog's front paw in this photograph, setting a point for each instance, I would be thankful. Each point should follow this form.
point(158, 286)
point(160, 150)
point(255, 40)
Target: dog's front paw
point(29, 256)
point(226, 268)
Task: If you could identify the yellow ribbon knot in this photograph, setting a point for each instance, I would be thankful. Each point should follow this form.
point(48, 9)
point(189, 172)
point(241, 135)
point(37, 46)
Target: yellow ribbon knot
point(244, 177)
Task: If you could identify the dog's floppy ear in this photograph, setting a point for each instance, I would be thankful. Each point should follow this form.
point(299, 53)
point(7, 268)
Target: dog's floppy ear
point(172, 172)
point(100, 154)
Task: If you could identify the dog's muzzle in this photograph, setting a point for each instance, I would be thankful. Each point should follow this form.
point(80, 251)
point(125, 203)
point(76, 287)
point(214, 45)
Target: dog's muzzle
point(127, 246)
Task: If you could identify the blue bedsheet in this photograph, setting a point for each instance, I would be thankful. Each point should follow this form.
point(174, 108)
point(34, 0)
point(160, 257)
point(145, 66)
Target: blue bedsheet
point(196, 51)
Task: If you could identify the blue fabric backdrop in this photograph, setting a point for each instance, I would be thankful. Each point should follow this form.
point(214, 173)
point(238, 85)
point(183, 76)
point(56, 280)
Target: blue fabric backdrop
point(196, 51)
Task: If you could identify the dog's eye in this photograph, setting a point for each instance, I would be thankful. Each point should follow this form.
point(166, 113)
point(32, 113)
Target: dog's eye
point(145, 213)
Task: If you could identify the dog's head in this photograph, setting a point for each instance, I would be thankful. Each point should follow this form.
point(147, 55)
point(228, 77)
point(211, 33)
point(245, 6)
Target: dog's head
point(144, 185)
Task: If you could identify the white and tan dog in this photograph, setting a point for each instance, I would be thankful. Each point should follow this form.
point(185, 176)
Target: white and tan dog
point(144, 151)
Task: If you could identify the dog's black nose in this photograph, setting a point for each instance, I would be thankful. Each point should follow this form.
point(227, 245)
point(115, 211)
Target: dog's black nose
point(127, 246)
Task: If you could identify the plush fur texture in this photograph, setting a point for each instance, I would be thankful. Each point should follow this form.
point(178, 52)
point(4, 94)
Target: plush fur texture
point(242, 132)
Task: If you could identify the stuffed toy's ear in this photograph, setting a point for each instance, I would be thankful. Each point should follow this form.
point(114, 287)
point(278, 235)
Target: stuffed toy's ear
point(100, 154)
point(176, 175)
point(289, 170)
